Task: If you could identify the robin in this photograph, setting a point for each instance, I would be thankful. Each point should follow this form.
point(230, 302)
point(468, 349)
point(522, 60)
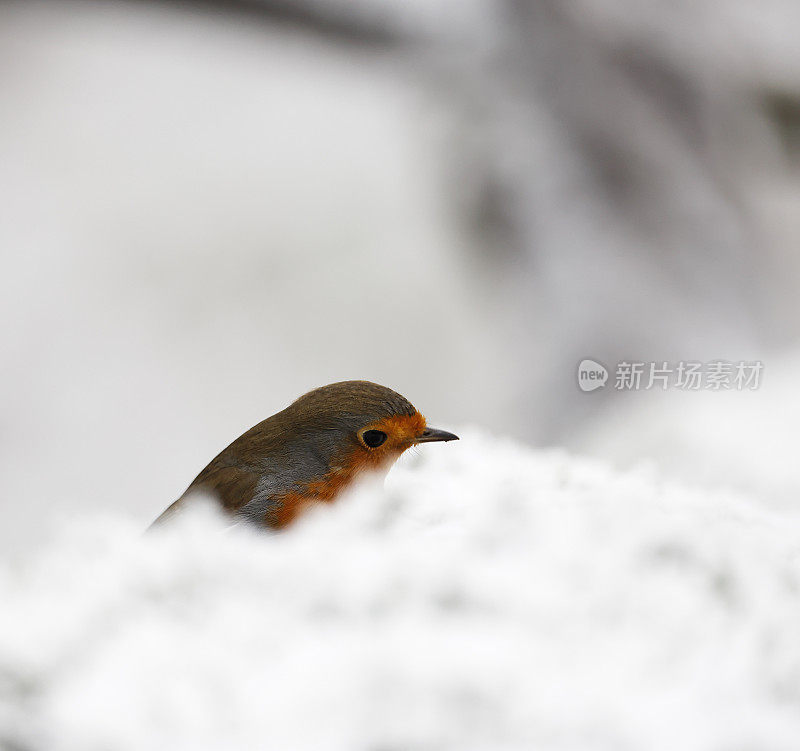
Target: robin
point(310, 452)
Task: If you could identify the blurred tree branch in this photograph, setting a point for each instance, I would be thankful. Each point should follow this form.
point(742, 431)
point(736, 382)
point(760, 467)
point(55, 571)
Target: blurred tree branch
point(345, 22)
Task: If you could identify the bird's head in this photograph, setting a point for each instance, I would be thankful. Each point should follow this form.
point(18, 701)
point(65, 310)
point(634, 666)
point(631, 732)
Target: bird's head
point(358, 425)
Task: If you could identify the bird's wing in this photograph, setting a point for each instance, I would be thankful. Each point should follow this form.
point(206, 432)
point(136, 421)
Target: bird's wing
point(233, 487)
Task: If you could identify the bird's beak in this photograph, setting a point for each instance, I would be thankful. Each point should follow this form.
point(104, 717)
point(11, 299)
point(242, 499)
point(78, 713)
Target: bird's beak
point(432, 434)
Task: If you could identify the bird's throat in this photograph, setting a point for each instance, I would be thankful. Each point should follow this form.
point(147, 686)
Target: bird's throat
point(330, 487)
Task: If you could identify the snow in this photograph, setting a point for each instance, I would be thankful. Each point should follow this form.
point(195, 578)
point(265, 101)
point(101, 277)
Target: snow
point(489, 596)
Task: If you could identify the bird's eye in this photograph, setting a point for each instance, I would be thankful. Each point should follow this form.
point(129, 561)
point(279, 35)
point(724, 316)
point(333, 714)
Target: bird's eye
point(373, 438)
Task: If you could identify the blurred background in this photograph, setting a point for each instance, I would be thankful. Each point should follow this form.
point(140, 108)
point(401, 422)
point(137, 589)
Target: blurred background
point(211, 207)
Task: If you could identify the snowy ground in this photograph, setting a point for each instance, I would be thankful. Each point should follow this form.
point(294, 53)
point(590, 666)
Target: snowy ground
point(490, 597)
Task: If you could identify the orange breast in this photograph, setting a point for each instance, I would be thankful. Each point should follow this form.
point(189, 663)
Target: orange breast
point(325, 490)
point(401, 429)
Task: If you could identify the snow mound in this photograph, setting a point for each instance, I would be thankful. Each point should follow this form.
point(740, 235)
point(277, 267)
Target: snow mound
point(489, 597)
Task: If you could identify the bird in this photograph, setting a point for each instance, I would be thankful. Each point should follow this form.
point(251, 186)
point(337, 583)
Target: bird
point(308, 453)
